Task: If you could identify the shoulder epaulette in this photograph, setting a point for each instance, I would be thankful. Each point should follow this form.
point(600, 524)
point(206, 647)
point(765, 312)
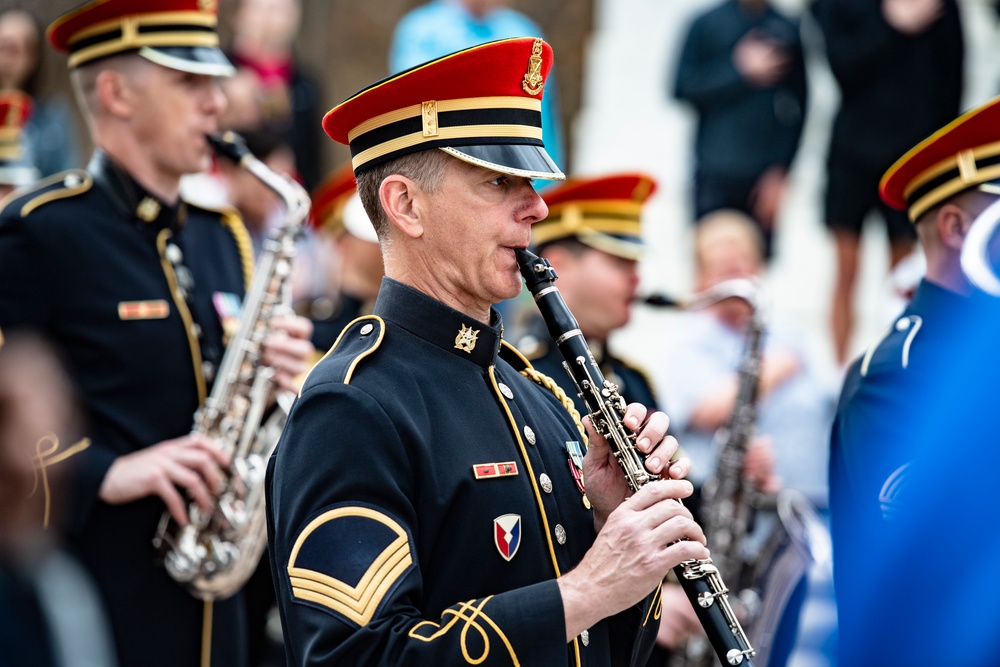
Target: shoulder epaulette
point(51, 188)
point(358, 339)
point(900, 333)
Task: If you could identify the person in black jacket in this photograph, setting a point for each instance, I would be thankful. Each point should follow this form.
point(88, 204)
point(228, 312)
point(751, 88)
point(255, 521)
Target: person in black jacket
point(742, 68)
point(899, 66)
point(133, 286)
point(432, 499)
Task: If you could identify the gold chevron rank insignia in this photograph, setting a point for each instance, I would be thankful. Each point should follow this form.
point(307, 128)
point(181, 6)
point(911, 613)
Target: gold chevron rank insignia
point(322, 574)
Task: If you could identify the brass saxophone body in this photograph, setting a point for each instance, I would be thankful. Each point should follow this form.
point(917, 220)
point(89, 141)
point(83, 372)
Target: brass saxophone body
point(215, 554)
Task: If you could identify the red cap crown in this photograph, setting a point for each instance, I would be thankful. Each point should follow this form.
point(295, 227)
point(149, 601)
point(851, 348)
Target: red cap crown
point(603, 212)
point(180, 34)
point(482, 105)
point(961, 155)
point(329, 198)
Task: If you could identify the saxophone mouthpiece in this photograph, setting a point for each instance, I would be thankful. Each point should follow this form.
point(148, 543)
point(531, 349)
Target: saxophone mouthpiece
point(229, 145)
point(659, 300)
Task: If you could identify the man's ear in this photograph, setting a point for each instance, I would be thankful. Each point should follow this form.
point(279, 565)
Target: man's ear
point(401, 198)
point(953, 224)
point(114, 93)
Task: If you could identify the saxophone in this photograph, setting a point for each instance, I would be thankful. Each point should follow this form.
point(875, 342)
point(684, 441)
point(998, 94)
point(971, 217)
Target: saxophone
point(700, 579)
point(217, 552)
point(764, 584)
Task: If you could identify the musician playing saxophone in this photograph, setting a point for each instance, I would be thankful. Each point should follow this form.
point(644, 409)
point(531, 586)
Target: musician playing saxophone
point(136, 289)
point(925, 389)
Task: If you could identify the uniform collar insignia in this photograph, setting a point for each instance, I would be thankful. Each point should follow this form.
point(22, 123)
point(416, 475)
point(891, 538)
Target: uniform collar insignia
point(148, 209)
point(466, 339)
point(448, 329)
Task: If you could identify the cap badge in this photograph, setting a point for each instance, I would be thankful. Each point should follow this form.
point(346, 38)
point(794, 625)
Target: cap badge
point(429, 114)
point(507, 534)
point(466, 339)
point(208, 5)
point(148, 209)
point(533, 80)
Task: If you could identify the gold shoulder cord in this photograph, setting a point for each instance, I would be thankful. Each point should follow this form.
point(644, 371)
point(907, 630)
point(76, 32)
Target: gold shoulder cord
point(557, 391)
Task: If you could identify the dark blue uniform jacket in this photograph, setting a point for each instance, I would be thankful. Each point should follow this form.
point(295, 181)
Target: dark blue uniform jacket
point(422, 502)
point(913, 461)
point(83, 260)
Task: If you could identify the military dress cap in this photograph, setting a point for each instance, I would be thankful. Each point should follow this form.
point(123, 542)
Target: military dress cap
point(603, 212)
point(337, 208)
point(179, 34)
point(481, 105)
point(962, 155)
point(15, 110)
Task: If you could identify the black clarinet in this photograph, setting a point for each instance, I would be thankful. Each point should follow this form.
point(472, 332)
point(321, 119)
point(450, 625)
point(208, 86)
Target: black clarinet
point(700, 579)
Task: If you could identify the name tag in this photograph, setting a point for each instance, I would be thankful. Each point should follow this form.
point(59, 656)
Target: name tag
point(143, 310)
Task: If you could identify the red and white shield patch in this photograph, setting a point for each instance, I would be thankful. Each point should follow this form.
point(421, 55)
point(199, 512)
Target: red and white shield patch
point(507, 534)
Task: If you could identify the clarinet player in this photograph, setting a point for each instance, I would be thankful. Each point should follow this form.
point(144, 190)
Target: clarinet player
point(430, 501)
point(131, 284)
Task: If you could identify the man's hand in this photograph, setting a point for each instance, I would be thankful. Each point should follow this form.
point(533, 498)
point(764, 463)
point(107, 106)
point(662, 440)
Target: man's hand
point(912, 17)
point(606, 484)
point(288, 351)
point(758, 465)
point(193, 462)
point(641, 541)
point(760, 60)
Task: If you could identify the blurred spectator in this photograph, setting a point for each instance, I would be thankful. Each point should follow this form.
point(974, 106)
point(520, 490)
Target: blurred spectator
point(743, 70)
point(699, 382)
point(899, 65)
point(441, 27)
point(347, 235)
point(50, 139)
point(52, 614)
point(264, 34)
point(15, 171)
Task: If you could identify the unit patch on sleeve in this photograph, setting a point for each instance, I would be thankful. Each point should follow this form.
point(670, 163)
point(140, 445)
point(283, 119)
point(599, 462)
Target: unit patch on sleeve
point(347, 560)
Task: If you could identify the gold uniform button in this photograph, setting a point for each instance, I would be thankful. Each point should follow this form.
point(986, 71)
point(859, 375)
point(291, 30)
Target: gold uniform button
point(585, 637)
point(560, 534)
point(505, 390)
point(546, 482)
point(529, 435)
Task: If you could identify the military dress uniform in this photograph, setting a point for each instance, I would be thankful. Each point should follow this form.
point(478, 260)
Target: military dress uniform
point(427, 491)
point(913, 448)
point(434, 534)
point(99, 266)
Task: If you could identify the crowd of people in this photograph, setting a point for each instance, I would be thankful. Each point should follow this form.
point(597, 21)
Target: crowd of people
point(440, 492)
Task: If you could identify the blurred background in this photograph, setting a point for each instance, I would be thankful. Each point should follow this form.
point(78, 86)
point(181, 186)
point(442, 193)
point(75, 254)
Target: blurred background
point(616, 62)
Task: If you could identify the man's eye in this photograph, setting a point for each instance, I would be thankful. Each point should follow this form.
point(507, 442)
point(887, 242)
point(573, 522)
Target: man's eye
point(501, 181)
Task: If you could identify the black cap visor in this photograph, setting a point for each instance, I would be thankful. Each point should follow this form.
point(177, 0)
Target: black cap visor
point(207, 60)
point(515, 159)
